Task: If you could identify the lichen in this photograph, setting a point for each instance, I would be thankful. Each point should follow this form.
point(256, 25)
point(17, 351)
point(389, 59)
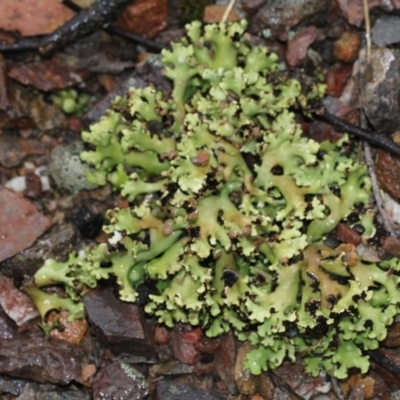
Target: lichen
point(222, 184)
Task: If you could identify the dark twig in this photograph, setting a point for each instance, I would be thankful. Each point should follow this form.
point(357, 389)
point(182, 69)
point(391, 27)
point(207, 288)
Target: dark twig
point(99, 15)
point(385, 362)
point(378, 139)
point(282, 384)
point(336, 388)
point(72, 6)
point(150, 44)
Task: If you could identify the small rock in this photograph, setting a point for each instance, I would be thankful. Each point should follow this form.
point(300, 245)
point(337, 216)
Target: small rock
point(356, 393)
point(121, 381)
point(372, 386)
point(120, 325)
point(387, 171)
point(245, 381)
point(38, 18)
point(257, 397)
point(170, 390)
point(33, 183)
point(171, 368)
point(265, 386)
point(14, 148)
point(395, 395)
point(208, 345)
point(346, 234)
point(70, 331)
point(161, 335)
point(303, 384)
point(380, 90)
point(145, 17)
point(33, 391)
point(224, 362)
point(386, 30)
point(184, 350)
point(283, 394)
point(281, 15)
point(393, 336)
point(391, 245)
point(336, 80)
point(57, 244)
point(353, 11)
point(41, 360)
point(192, 336)
point(11, 386)
point(346, 48)
point(7, 326)
point(392, 208)
point(68, 170)
point(45, 75)
point(298, 45)
point(16, 304)
point(214, 12)
point(368, 253)
point(20, 223)
point(250, 6)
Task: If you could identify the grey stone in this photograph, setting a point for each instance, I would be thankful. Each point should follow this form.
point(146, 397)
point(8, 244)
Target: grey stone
point(120, 380)
point(118, 325)
point(169, 390)
point(57, 244)
point(386, 30)
point(68, 170)
point(42, 360)
point(281, 15)
point(380, 90)
point(395, 395)
point(224, 362)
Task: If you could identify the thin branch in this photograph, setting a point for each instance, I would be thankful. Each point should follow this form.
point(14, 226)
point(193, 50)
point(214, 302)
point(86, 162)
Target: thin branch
point(336, 388)
point(378, 139)
point(150, 44)
point(387, 223)
point(384, 362)
point(228, 10)
point(99, 15)
point(367, 29)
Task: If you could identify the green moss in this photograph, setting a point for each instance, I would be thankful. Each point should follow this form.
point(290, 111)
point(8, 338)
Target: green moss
point(230, 185)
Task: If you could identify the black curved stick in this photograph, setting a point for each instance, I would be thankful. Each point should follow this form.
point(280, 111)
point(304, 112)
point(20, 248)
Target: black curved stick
point(384, 362)
point(99, 15)
point(375, 138)
point(120, 32)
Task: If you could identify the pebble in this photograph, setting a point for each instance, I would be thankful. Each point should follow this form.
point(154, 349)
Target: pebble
point(281, 15)
point(380, 90)
point(67, 169)
point(245, 381)
point(121, 381)
point(387, 172)
point(346, 48)
point(299, 44)
point(386, 30)
point(170, 390)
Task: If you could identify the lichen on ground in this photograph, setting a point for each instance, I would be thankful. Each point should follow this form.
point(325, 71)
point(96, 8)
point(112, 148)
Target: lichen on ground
point(230, 205)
